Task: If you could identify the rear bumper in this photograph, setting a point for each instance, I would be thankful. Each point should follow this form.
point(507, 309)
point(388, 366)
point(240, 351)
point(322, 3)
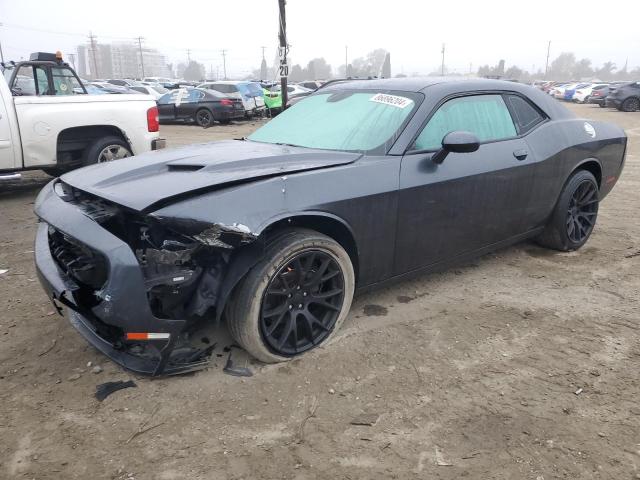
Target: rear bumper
point(613, 102)
point(158, 144)
point(119, 307)
point(597, 100)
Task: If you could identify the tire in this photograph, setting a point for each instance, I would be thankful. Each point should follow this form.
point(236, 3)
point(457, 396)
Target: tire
point(631, 104)
point(247, 311)
point(574, 216)
point(204, 118)
point(106, 149)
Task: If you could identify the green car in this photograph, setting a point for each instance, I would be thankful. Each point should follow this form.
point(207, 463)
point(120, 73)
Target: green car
point(272, 100)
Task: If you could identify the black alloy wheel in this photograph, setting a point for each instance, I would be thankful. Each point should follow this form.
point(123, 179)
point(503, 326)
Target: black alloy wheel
point(204, 118)
point(302, 302)
point(582, 212)
point(631, 104)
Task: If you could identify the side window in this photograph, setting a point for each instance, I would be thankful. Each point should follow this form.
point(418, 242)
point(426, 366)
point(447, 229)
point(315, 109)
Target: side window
point(525, 114)
point(486, 116)
point(24, 82)
point(64, 82)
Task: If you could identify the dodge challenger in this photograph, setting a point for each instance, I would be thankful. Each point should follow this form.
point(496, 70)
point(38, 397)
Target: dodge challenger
point(359, 184)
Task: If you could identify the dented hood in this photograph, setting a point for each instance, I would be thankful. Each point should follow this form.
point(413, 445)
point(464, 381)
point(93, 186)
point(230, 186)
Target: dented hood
point(140, 182)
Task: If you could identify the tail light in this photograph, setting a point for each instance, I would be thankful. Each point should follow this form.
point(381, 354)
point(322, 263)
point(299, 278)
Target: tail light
point(153, 123)
point(226, 101)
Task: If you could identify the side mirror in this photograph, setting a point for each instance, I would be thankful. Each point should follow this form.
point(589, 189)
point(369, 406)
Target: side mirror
point(456, 142)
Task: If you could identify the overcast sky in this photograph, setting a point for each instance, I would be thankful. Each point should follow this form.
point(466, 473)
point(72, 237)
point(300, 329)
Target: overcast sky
point(475, 32)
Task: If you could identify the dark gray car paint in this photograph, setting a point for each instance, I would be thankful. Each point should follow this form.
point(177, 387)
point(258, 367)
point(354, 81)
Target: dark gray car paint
point(402, 212)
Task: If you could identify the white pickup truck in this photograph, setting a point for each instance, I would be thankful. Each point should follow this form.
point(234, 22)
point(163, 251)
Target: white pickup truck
point(48, 121)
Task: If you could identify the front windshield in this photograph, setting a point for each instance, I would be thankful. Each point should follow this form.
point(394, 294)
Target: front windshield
point(344, 120)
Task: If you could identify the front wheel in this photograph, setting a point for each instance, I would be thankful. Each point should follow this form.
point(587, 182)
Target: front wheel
point(574, 216)
point(294, 299)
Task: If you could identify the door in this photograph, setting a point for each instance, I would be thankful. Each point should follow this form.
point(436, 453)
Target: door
point(471, 200)
point(7, 158)
point(167, 107)
point(188, 104)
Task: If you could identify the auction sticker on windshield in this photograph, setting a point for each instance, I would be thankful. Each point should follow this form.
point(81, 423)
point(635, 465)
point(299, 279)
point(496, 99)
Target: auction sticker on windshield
point(393, 100)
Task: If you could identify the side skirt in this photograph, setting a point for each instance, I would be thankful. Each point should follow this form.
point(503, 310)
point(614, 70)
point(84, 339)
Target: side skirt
point(446, 264)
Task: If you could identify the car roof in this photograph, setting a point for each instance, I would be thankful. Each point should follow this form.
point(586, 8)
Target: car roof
point(451, 85)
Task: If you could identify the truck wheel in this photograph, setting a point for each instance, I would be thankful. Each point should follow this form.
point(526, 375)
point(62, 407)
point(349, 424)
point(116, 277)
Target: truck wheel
point(106, 149)
point(294, 299)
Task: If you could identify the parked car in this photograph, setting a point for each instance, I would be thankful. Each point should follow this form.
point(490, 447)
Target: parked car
point(200, 106)
point(581, 95)
point(249, 92)
point(293, 90)
point(570, 91)
point(123, 82)
point(156, 91)
point(599, 95)
point(353, 187)
point(310, 84)
point(107, 87)
point(167, 83)
point(48, 122)
point(625, 97)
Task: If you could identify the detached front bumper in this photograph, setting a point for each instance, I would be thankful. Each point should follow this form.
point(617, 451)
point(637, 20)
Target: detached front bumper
point(120, 306)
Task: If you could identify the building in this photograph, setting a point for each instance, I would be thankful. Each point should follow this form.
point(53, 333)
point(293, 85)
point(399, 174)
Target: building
point(120, 60)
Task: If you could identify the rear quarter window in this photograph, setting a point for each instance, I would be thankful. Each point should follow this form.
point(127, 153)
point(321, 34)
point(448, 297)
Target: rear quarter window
point(525, 115)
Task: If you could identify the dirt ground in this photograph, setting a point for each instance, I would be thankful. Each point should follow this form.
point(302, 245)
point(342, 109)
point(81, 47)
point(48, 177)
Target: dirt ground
point(520, 365)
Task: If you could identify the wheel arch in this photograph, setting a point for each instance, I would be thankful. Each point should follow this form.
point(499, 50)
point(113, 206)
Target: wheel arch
point(72, 142)
point(323, 222)
point(592, 165)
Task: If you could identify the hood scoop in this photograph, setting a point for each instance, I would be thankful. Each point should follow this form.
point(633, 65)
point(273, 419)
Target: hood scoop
point(183, 167)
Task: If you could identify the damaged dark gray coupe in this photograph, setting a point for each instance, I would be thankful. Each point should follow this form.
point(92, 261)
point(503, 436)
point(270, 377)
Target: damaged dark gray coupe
point(359, 184)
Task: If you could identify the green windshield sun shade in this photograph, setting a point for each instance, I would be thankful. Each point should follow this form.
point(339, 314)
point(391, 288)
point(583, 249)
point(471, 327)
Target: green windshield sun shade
point(486, 116)
point(361, 121)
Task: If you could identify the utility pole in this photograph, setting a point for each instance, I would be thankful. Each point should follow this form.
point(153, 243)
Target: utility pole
point(73, 60)
point(282, 35)
point(263, 49)
point(546, 68)
point(141, 57)
point(92, 41)
point(188, 56)
point(442, 67)
point(346, 59)
point(224, 63)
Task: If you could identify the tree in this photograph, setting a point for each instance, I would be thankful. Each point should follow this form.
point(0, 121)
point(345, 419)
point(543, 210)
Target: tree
point(296, 74)
point(317, 69)
point(371, 65)
point(195, 71)
point(582, 69)
point(562, 67)
point(514, 73)
point(606, 71)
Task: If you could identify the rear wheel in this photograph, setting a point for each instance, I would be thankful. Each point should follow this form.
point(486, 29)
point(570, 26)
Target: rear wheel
point(204, 118)
point(574, 216)
point(294, 299)
point(631, 104)
point(106, 149)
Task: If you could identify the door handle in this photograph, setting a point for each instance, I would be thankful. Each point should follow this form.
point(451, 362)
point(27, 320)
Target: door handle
point(520, 154)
